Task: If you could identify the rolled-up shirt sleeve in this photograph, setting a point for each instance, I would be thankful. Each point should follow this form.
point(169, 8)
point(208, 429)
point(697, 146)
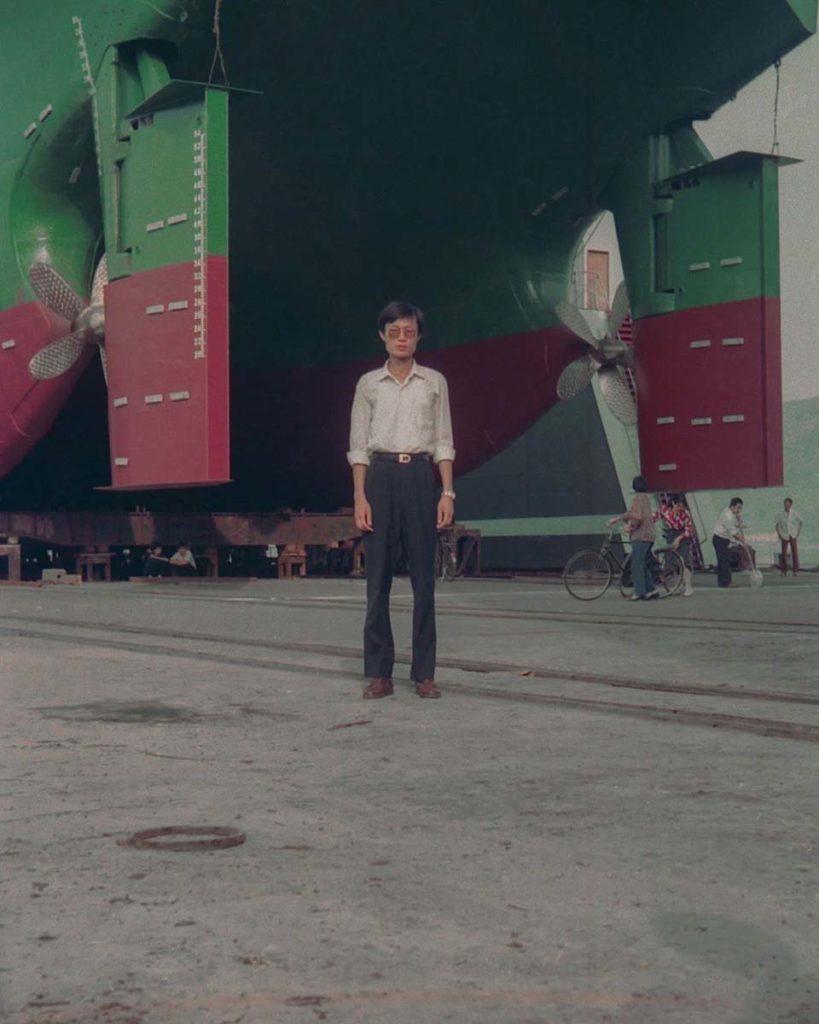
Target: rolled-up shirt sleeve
point(444, 446)
point(359, 427)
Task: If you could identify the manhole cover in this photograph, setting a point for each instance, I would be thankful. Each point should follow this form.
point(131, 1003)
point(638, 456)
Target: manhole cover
point(212, 837)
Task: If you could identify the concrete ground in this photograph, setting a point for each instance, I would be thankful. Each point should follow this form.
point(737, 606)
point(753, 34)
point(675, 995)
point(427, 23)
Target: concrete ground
point(609, 817)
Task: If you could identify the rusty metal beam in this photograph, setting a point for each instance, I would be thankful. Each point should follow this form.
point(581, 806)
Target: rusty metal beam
point(87, 529)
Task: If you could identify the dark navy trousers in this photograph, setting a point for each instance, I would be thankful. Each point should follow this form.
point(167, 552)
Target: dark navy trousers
point(721, 545)
point(404, 504)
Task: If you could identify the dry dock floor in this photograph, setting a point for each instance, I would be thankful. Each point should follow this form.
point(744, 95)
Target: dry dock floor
point(611, 815)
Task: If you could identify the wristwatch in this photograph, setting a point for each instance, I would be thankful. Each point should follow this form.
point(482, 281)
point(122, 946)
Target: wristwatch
point(448, 494)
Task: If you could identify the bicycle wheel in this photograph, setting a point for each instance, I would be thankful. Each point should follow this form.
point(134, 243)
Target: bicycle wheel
point(587, 575)
point(670, 573)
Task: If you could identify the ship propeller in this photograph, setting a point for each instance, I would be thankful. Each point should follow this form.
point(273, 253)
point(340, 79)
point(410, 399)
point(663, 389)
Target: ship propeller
point(87, 320)
point(607, 355)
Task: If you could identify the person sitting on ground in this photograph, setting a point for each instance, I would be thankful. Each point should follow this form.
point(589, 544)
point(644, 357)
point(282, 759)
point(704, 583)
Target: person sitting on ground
point(155, 563)
point(678, 528)
point(182, 561)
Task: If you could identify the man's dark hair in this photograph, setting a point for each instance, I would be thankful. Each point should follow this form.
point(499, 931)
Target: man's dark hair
point(788, 499)
point(639, 484)
point(400, 311)
point(677, 499)
point(735, 501)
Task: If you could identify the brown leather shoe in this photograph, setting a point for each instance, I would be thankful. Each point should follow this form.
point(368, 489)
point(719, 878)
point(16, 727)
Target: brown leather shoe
point(378, 687)
point(428, 688)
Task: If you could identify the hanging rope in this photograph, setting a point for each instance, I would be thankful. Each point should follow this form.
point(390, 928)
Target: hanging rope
point(217, 53)
point(775, 144)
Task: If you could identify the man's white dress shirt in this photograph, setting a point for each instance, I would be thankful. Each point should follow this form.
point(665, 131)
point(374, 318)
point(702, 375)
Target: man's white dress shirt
point(728, 526)
point(409, 416)
point(788, 524)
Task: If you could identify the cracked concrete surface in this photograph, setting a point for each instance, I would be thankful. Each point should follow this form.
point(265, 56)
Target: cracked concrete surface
point(473, 859)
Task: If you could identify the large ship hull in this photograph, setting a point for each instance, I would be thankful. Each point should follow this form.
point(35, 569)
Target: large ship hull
point(449, 154)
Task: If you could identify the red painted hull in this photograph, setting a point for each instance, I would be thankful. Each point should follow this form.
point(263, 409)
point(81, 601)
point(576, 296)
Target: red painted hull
point(710, 397)
point(289, 431)
point(28, 407)
point(291, 428)
point(169, 376)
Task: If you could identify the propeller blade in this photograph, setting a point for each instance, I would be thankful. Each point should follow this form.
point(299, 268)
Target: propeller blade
point(617, 394)
point(58, 357)
point(619, 309)
point(571, 317)
point(54, 291)
point(99, 282)
point(575, 378)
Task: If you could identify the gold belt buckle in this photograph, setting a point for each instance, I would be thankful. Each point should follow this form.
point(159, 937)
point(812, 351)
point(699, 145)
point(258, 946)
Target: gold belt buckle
point(403, 457)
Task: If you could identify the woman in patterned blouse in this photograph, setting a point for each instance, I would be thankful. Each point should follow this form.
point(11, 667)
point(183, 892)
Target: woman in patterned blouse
point(678, 527)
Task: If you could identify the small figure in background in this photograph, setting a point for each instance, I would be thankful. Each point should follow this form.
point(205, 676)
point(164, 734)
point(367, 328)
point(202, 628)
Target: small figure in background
point(727, 530)
point(678, 527)
point(641, 527)
point(788, 527)
point(155, 563)
point(182, 561)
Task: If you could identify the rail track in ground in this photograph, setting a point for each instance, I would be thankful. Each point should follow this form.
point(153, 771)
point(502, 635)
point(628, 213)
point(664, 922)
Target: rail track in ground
point(506, 686)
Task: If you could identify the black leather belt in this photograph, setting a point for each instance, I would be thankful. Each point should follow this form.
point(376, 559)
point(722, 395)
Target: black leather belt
point(402, 457)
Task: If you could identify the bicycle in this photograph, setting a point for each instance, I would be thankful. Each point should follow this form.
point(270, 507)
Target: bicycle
point(588, 573)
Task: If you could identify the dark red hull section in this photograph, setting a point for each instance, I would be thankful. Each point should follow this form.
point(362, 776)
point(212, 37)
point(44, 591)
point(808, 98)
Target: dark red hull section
point(292, 427)
point(28, 407)
point(168, 376)
point(710, 399)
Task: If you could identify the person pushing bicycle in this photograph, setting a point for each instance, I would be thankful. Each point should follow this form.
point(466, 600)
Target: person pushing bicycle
point(641, 528)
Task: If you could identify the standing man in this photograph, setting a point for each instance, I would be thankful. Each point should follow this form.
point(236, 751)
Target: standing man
point(728, 528)
point(400, 426)
point(788, 527)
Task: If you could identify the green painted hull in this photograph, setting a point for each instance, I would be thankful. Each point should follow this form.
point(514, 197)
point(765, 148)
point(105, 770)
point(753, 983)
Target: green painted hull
point(451, 152)
point(448, 153)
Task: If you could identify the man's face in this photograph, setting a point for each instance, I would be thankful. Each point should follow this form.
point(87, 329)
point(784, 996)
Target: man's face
point(788, 503)
point(678, 506)
point(401, 337)
point(736, 508)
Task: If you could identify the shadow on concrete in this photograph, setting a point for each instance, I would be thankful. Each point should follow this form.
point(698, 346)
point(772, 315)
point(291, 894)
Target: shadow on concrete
point(785, 993)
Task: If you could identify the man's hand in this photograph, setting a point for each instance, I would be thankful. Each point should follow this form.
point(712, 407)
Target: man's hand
point(446, 512)
point(363, 515)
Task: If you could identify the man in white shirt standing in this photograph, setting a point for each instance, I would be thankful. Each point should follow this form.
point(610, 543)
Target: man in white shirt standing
point(788, 527)
point(728, 528)
point(400, 427)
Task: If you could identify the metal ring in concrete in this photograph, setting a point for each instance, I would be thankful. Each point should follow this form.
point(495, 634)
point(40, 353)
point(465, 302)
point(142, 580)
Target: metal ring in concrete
point(221, 837)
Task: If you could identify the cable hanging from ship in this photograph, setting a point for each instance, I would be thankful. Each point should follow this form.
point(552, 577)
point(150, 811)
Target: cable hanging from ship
point(775, 143)
point(217, 52)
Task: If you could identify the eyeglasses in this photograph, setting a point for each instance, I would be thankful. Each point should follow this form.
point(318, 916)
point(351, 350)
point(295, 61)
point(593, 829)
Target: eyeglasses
point(394, 333)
